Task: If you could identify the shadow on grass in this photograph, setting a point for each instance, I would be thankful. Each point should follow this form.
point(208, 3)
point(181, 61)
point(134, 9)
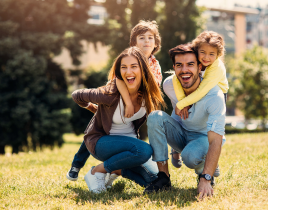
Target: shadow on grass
point(180, 197)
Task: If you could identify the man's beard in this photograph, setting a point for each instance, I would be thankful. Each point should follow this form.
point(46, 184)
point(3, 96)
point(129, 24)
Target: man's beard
point(188, 85)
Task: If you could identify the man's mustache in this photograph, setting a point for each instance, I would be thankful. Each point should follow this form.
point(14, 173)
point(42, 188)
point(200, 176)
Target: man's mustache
point(185, 73)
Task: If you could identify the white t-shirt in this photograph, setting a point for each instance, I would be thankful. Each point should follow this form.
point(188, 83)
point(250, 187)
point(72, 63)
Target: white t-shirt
point(123, 126)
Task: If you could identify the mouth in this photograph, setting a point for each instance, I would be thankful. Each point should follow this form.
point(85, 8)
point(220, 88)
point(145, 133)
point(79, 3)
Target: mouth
point(130, 80)
point(185, 78)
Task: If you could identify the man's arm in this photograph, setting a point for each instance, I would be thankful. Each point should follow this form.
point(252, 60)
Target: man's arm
point(211, 161)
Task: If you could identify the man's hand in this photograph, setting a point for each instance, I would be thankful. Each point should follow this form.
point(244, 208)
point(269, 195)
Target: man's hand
point(92, 107)
point(184, 113)
point(204, 189)
point(129, 110)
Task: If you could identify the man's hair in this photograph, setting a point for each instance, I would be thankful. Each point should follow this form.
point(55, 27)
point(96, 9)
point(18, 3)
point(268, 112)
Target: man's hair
point(182, 49)
point(141, 28)
point(213, 39)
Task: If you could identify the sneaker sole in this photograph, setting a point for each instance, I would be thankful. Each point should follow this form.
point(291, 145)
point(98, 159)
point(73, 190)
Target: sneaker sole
point(70, 178)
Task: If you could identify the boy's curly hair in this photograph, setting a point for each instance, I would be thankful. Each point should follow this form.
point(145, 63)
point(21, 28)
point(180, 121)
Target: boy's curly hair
point(213, 39)
point(141, 28)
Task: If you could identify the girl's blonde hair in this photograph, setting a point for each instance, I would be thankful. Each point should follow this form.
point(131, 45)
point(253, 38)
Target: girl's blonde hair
point(213, 39)
point(149, 89)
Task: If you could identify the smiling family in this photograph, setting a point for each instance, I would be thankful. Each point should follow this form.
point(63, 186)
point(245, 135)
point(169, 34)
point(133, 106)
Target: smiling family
point(195, 130)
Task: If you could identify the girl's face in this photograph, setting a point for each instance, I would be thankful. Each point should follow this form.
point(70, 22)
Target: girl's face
point(146, 42)
point(207, 54)
point(131, 72)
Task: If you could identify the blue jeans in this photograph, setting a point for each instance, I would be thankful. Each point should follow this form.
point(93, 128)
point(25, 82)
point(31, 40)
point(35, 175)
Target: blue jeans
point(81, 156)
point(129, 154)
point(164, 130)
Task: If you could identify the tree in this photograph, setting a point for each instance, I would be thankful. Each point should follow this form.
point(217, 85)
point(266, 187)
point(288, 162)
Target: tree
point(180, 20)
point(248, 77)
point(33, 88)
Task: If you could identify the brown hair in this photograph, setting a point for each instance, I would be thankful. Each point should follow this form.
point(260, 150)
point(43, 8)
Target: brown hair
point(141, 28)
point(213, 39)
point(149, 89)
point(182, 49)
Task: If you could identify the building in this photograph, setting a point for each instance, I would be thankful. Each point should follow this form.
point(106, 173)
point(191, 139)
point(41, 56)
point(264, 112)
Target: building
point(96, 58)
point(232, 24)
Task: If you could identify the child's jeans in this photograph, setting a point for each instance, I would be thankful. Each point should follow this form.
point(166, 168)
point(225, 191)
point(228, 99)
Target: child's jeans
point(81, 156)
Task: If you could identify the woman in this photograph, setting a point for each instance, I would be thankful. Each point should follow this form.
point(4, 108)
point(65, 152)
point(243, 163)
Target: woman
point(112, 138)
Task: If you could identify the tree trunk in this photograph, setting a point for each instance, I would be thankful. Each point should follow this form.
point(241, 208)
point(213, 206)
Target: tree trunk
point(2, 149)
point(15, 149)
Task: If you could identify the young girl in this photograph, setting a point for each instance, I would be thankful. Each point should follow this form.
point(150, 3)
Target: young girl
point(145, 36)
point(210, 47)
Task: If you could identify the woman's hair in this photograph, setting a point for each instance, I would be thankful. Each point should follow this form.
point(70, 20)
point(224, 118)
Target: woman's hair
point(213, 39)
point(141, 28)
point(149, 89)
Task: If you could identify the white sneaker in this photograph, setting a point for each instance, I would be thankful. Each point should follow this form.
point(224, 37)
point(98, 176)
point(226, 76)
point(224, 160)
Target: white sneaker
point(96, 183)
point(109, 179)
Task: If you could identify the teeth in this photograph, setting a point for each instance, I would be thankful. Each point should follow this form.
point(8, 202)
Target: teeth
point(130, 77)
point(186, 76)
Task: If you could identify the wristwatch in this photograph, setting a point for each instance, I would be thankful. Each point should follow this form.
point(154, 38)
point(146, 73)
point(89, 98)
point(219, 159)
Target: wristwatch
point(205, 176)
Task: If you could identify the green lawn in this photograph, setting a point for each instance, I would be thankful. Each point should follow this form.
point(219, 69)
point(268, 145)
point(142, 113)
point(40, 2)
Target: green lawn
point(38, 181)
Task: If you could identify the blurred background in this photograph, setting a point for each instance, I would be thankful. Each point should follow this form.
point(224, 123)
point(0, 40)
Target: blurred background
point(50, 48)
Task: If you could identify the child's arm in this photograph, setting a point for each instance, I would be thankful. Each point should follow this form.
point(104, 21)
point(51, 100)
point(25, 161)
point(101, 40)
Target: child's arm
point(129, 109)
point(92, 107)
point(213, 75)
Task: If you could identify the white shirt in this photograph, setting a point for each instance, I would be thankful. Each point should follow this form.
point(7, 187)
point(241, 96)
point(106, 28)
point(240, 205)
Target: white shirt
point(123, 126)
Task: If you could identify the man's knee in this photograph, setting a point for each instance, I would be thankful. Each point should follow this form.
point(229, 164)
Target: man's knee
point(154, 118)
point(193, 159)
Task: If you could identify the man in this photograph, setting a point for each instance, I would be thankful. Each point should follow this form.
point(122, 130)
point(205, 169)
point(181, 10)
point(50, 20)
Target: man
point(199, 137)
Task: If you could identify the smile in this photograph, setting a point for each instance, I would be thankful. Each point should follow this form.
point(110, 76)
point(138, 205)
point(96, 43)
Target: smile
point(130, 80)
point(185, 77)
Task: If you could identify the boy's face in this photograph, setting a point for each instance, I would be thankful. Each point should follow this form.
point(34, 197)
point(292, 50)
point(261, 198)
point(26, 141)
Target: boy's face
point(146, 42)
point(207, 54)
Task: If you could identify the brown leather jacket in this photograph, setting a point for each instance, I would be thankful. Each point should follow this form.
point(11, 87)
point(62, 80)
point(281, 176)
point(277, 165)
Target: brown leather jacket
point(107, 97)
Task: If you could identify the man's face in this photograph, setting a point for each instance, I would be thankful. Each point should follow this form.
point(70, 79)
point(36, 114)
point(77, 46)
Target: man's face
point(187, 70)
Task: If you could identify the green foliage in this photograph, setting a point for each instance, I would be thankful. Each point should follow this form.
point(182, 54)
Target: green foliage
point(178, 25)
point(248, 77)
point(34, 104)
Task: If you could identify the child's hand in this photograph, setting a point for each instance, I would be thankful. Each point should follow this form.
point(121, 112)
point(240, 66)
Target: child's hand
point(92, 107)
point(129, 110)
point(185, 112)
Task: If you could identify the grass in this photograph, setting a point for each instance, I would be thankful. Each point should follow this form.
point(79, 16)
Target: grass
point(38, 181)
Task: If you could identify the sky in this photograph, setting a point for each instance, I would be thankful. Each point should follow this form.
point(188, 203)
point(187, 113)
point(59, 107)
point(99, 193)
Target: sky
point(230, 3)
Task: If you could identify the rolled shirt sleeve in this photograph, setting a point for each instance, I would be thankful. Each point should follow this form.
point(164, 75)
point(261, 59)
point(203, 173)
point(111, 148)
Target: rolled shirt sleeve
point(216, 110)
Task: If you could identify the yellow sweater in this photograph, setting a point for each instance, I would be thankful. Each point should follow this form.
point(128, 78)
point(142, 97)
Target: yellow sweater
point(215, 74)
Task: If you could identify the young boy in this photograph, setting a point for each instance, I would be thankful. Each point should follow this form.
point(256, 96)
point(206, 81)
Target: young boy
point(145, 36)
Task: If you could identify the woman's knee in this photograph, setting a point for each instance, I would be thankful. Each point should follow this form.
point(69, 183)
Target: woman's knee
point(146, 153)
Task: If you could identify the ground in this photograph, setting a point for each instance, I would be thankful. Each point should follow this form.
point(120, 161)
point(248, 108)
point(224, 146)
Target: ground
point(38, 181)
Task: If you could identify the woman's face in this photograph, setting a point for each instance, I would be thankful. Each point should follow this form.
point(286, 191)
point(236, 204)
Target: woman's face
point(131, 72)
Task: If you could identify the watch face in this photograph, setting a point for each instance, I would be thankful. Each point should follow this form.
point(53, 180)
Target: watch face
point(207, 177)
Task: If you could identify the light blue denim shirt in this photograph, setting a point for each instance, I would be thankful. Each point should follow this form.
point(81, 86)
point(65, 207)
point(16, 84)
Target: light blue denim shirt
point(208, 114)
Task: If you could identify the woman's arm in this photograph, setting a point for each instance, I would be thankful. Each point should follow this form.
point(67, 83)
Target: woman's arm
point(96, 96)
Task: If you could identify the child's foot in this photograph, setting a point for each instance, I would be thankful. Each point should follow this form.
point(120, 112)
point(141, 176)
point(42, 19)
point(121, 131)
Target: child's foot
point(217, 171)
point(73, 174)
point(176, 159)
point(109, 179)
point(96, 182)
